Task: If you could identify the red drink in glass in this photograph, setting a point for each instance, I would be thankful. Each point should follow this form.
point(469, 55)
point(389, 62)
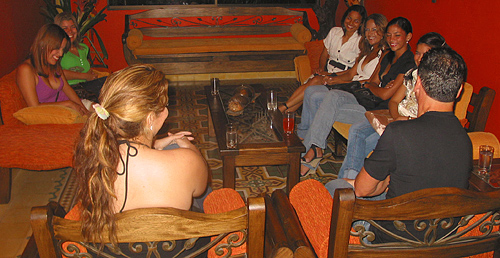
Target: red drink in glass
point(288, 122)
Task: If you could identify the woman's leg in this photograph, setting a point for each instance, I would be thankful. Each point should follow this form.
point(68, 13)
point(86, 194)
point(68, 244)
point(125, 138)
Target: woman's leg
point(356, 149)
point(313, 97)
point(337, 106)
point(297, 97)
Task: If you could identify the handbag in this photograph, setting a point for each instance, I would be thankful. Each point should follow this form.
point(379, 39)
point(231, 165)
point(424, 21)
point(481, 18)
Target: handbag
point(364, 96)
point(379, 119)
point(367, 99)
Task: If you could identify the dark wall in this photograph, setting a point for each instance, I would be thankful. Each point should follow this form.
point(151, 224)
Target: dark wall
point(20, 21)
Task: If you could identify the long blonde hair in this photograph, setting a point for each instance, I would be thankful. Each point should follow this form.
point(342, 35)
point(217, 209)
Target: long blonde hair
point(67, 16)
point(129, 95)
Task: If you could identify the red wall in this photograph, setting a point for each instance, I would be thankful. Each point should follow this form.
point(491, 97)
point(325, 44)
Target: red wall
point(20, 21)
point(468, 27)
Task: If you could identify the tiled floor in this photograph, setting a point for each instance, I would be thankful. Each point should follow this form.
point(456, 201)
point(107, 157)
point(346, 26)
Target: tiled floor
point(33, 188)
point(29, 188)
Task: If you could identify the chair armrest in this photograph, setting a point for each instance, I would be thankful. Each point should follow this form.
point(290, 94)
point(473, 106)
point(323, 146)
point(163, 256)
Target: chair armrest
point(276, 243)
point(296, 238)
point(302, 68)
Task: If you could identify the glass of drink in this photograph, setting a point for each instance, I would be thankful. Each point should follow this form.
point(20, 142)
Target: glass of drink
point(215, 86)
point(485, 159)
point(231, 136)
point(272, 100)
point(288, 122)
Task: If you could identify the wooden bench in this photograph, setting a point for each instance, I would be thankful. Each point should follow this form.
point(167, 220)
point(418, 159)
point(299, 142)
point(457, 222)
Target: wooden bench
point(212, 39)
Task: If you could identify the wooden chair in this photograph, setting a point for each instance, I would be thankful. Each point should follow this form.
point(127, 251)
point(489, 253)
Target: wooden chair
point(145, 228)
point(284, 236)
point(427, 207)
point(481, 103)
point(478, 230)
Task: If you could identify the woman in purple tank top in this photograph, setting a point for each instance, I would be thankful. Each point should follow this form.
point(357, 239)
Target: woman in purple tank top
point(40, 77)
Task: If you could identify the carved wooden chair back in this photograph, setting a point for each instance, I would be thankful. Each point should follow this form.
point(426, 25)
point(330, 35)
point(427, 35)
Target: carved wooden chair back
point(429, 209)
point(481, 103)
point(154, 230)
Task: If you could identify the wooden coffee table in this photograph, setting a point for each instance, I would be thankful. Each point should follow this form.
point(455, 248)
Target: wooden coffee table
point(486, 185)
point(260, 144)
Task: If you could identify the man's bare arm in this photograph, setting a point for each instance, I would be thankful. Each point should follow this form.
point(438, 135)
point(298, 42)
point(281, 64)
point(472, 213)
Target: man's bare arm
point(365, 185)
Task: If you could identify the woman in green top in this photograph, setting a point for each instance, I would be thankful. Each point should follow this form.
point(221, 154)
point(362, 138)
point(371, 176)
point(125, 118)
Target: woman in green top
point(75, 63)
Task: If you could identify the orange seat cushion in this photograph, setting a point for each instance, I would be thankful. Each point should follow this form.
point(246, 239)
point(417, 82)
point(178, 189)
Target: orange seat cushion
point(38, 147)
point(184, 46)
point(224, 200)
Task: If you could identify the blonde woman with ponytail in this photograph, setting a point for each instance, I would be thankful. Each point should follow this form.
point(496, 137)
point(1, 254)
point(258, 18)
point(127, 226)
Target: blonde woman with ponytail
point(119, 164)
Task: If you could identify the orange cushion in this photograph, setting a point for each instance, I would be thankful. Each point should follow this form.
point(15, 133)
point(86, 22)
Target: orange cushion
point(313, 205)
point(38, 147)
point(49, 114)
point(476, 232)
point(314, 50)
point(74, 214)
point(182, 46)
point(224, 200)
point(11, 99)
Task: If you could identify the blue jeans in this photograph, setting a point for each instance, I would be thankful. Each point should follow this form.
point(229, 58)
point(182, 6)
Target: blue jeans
point(313, 97)
point(340, 184)
point(338, 106)
point(362, 141)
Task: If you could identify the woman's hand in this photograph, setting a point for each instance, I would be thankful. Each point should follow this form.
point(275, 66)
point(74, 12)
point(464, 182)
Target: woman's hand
point(182, 139)
point(320, 71)
point(90, 75)
point(389, 84)
point(71, 104)
point(329, 80)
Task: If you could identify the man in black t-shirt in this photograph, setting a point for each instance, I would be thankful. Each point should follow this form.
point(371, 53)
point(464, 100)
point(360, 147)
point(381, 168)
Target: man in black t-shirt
point(430, 151)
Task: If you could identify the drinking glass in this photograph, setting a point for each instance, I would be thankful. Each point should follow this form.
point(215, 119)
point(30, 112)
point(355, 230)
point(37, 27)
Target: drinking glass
point(272, 100)
point(231, 136)
point(215, 86)
point(288, 122)
point(485, 159)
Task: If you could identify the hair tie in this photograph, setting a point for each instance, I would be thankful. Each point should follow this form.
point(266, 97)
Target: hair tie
point(100, 111)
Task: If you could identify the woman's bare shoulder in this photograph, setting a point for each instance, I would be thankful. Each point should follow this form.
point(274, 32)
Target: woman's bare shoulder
point(181, 158)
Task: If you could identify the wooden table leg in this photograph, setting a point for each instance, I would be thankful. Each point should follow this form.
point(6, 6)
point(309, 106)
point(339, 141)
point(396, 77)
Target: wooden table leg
point(293, 176)
point(229, 171)
point(5, 184)
point(211, 131)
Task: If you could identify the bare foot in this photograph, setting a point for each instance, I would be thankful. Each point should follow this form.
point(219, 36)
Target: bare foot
point(282, 108)
point(303, 170)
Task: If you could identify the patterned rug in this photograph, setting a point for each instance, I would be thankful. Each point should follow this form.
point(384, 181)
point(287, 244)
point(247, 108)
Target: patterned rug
point(188, 110)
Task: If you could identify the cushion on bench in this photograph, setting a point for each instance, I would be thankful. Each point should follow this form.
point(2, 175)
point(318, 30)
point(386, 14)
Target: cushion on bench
point(38, 147)
point(139, 46)
point(184, 46)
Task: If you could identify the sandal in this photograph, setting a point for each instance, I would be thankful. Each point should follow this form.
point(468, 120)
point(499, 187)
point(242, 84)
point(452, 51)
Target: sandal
point(311, 165)
point(313, 147)
point(286, 108)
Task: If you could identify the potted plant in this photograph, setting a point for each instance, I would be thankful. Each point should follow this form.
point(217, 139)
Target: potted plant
point(87, 17)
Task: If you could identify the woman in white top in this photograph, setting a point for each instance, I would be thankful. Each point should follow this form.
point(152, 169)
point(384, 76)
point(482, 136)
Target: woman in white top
point(372, 46)
point(341, 49)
